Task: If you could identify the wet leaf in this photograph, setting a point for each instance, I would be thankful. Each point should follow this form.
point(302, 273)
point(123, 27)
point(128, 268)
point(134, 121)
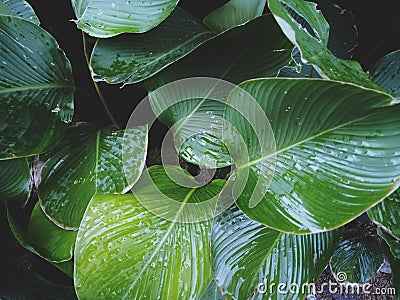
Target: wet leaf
point(251, 260)
point(125, 251)
point(109, 18)
point(386, 73)
point(22, 9)
point(36, 89)
point(307, 29)
point(358, 257)
point(337, 149)
point(89, 161)
point(132, 58)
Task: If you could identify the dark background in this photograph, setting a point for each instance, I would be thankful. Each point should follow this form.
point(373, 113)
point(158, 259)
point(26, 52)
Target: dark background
point(378, 24)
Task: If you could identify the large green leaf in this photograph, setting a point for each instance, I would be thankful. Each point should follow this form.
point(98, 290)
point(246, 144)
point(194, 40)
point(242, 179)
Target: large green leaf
point(43, 237)
point(256, 49)
point(234, 13)
point(386, 73)
point(132, 58)
point(124, 251)
point(337, 149)
point(36, 89)
point(14, 179)
point(22, 9)
point(391, 241)
point(251, 260)
point(307, 29)
point(89, 161)
point(357, 258)
point(109, 18)
point(387, 214)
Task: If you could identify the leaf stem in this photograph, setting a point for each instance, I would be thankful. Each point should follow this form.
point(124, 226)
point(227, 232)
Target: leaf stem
point(96, 86)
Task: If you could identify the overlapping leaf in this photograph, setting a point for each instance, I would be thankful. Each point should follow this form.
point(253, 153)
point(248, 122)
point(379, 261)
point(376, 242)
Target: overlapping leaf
point(43, 237)
point(387, 214)
point(89, 161)
point(125, 251)
point(386, 73)
point(307, 29)
point(251, 260)
point(22, 9)
point(358, 256)
point(234, 13)
point(14, 179)
point(256, 49)
point(132, 58)
point(109, 18)
point(337, 149)
point(36, 89)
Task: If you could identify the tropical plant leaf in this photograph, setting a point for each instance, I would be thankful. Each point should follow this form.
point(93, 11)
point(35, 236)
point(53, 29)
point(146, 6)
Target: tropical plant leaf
point(307, 29)
point(125, 251)
point(395, 267)
point(36, 89)
point(336, 150)
point(22, 9)
point(234, 13)
point(358, 257)
point(392, 241)
point(14, 179)
point(43, 237)
point(250, 258)
point(89, 161)
point(386, 73)
point(132, 58)
point(387, 214)
point(256, 49)
point(105, 19)
point(212, 293)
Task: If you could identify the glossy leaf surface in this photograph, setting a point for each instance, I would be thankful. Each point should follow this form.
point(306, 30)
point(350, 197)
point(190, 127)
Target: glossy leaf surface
point(36, 89)
point(234, 13)
point(14, 179)
point(358, 256)
point(109, 18)
point(307, 29)
point(22, 9)
point(132, 58)
point(89, 161)
point(125, 251)
point(337, 149)
point(386, 73)
point(250, 258)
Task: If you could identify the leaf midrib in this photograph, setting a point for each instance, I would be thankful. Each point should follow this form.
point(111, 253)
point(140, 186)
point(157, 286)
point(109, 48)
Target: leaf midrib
point(161, 243)
point(34, 87)
point(271, 155)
